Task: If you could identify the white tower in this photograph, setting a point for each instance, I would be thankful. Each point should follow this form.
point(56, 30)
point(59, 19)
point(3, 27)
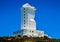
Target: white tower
point(28, 24)
point(27, 17)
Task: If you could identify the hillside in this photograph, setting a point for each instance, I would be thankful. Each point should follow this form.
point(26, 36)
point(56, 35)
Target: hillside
point(27, 39)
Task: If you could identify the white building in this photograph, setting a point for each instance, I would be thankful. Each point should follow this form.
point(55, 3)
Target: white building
point(27, 17)
point(28, 24)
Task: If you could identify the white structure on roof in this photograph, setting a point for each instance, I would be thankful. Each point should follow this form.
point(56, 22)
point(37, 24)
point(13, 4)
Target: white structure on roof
point(28, 24)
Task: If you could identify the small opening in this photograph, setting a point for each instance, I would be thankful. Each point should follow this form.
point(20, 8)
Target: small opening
point(24, 14)
point(32, 31)
point(24, 8)
point(24, 11)
point(24, 23)
point(24, 17)
point(24, 26)
point(24, 20)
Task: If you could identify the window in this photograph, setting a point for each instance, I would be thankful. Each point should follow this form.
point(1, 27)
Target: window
point(24, 11)
point(24, 8)
point(24, 26)
point(24, 14)
point(24, 20)
point(24, 17)
point(32, 31)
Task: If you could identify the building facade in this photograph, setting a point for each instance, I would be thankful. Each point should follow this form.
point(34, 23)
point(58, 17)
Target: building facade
point(28, 24)
point(27, 17)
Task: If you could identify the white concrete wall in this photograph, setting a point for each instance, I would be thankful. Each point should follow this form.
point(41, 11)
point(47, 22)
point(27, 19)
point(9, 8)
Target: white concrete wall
point(29, 12)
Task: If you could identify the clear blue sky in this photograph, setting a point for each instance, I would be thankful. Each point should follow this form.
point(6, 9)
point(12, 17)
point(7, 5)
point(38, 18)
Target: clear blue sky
point(47, 16)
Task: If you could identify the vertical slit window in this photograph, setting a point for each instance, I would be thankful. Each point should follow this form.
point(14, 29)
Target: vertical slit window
point(24, 14)
point(24, 20)
point(24, 8)
point(24, 11)
point(24, 26)
point(24, 17)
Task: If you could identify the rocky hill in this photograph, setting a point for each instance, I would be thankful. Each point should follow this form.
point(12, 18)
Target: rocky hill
point(27, 39)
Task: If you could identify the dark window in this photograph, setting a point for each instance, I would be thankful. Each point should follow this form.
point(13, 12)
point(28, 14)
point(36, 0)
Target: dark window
point(24, 26)
point(24, 17)
point(24, 20)
point(24, 14)
point(24, 8)
point(32, 31)
point(24, 11)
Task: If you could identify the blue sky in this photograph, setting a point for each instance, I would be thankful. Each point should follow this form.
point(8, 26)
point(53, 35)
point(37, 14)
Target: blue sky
point(47, 16)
